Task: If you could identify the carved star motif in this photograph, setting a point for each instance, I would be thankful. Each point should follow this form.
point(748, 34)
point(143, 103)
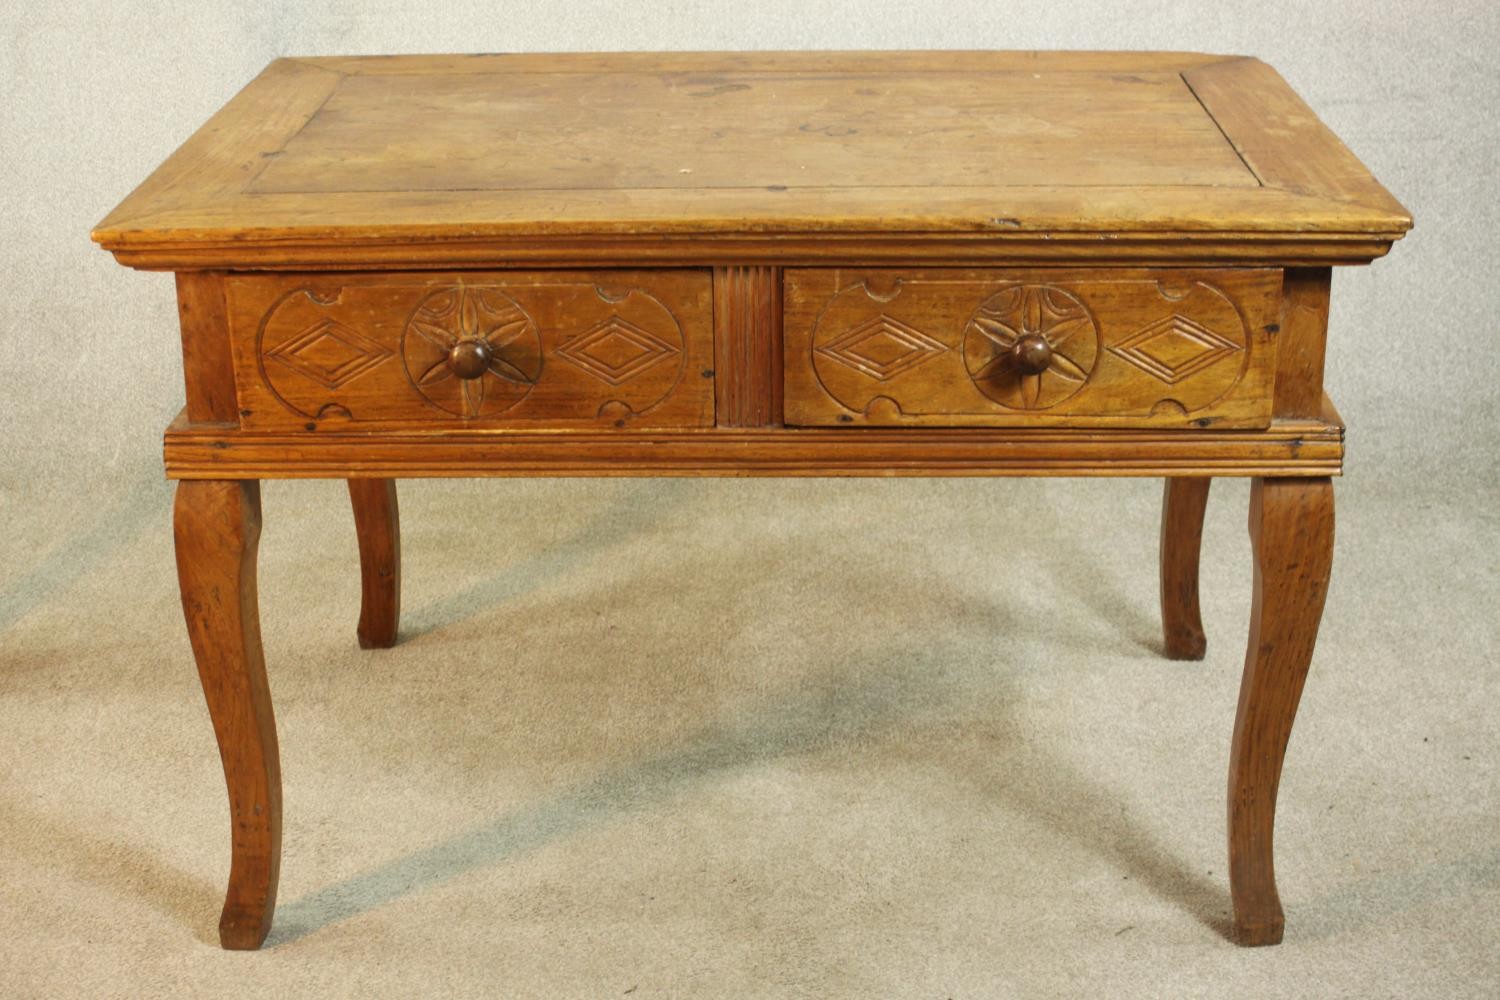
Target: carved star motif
point(1056, 317)
point(466, 314)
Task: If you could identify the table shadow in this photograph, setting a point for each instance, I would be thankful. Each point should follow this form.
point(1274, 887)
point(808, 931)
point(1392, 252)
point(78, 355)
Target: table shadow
point(625, 516)
point(115, 865)
point(108, 531)
point(872, 690)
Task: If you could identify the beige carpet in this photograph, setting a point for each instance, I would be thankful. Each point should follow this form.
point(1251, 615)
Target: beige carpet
point(765, 738)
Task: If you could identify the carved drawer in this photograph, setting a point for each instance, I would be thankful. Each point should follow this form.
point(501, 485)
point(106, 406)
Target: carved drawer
point(543, 349)
point(1087, 347)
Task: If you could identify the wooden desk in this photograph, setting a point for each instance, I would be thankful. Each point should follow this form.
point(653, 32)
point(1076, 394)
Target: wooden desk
point(763, 264)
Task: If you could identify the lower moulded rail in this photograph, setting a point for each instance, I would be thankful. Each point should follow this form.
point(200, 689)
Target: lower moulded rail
point(1287, 448)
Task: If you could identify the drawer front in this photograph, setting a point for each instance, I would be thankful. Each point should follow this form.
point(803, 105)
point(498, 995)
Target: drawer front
point(545, 349)
point(1128, 348)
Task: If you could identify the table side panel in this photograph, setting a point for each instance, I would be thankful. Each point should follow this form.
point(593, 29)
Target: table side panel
point(1304, 341)
point(207, 360)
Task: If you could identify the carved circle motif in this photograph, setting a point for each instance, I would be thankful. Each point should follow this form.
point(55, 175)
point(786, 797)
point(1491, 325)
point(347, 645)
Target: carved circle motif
point(471, 351)
point(1028, 347)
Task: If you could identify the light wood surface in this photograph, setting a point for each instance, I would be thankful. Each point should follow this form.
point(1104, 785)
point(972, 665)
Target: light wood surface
point(710, 132)
point(766, 157)
point(207, 358)
point(1291, 533)
point(1304, 331)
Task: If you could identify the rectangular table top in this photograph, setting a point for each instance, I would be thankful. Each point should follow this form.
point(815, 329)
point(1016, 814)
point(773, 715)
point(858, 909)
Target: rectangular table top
point(338, 160)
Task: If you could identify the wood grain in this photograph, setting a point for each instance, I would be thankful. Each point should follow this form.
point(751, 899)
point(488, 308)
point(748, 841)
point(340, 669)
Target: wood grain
point(1184, 501)
point(335, 163)
point(207, 360)
point(591, 349)
point(1287, 448)
point(1166, 347)
point(747, 346)
point(377, 525)
point(986, 245)
point(747, 130)
point(1280, 139)
point(756, 264)
point(1291, 531)
point(217, 530)
point(215, 164)
point(1302, 342)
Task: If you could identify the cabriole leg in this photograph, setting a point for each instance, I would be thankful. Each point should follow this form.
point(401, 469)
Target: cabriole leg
point(377, 522)
point(217, 528)
point(1183, 503)
point(1291, 532)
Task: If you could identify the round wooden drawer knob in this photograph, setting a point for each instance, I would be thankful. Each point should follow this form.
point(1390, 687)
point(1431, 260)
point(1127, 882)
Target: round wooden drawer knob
point(470, 358)
point(1032, 353)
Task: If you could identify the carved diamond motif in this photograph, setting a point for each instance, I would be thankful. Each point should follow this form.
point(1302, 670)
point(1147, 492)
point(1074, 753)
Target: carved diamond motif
point(615, 350)
point(882, 348)
point(330, 353)
point(1173, 348)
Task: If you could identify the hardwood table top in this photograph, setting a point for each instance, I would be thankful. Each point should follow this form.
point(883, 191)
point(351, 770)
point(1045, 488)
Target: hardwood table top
point(443, 160)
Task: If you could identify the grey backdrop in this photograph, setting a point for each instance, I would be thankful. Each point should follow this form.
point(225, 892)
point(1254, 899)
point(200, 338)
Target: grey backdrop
point(112, 831)
point(97, 93)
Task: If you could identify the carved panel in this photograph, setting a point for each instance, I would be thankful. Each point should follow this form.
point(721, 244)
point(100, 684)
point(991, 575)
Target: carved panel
point(1099, 347)
point(615, 350)
point(328, 352)
point(882, 348)
point(1175, 347)
point(607, 348)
